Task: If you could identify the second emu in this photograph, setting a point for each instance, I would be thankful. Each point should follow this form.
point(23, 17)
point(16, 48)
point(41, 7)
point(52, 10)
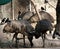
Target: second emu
point(41, 28)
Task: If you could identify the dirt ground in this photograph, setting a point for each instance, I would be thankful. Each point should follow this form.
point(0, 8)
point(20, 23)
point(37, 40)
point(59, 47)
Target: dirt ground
point(6, 42)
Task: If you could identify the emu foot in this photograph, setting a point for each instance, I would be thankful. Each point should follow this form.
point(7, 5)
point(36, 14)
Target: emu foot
point(24, 46)
point(31, 45)
point(53, 37)
point(16, 46)
point(43, 46)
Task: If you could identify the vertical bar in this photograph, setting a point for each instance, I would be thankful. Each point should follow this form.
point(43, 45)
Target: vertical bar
point(36, 9)
point(45, 4)
point(30, 5)
point(45, 7)
point(12, 6)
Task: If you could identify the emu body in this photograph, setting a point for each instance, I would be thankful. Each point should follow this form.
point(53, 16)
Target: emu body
point(22, 26)
point(41, 28)
point(25, 28)
point(17, 26)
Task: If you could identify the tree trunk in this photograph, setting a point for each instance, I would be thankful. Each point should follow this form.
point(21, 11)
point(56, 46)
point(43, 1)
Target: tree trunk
point(58, 17)
point(58, 11)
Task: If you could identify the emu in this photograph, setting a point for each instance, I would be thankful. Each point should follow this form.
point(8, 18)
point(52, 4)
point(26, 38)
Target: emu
point(22, 26)
point(41, 28)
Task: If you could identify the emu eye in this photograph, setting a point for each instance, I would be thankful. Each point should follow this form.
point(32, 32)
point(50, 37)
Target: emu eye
point(3, 20)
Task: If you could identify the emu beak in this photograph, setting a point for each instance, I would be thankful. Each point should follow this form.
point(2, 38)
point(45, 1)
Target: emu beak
point(37, 35)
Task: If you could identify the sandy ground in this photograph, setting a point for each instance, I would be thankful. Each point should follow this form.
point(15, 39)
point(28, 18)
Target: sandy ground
point(49, 43)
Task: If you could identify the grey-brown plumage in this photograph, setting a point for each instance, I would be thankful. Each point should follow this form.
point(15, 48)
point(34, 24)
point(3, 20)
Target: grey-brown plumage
point(21, 26)
point(43, 26)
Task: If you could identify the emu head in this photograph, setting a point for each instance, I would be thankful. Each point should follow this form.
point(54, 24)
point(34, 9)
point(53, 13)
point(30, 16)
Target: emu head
point(8, 28)
point(37, 35)
point(5, 20)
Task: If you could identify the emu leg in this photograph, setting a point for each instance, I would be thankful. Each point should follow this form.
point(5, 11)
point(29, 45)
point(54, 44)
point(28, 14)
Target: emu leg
point(24, 40)
point(15, 36)
point(30, 38)
point(16, 40)
point(53, 36)
point(50, 32)
point(43, 38)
